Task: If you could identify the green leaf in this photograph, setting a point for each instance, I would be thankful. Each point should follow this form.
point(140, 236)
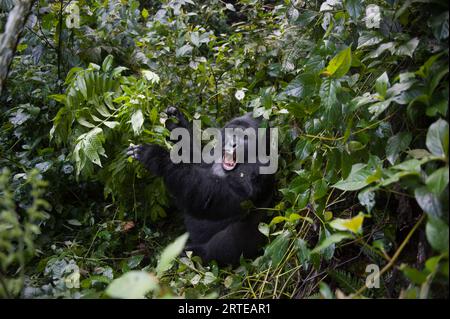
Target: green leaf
point(330, 240)
point(438, 180)
point(340, 64)
point(107, 63)
point(276, 249)
point(439, 25)
point(195, 38)
point(382, 84)
point(437, 234)
point(357, 178)
point(408, 48)
point(353, 225)
point(437, 138)
point(303, 252)
point(264, 229)
point(396, 144)
point(428, 201)
point(415, 276)
point(302, 86)
point(328, 99)
point(111, 124)
point(81, 85)
point(137, 120)
point(134, 261)
point(132, 285)
point(89, 145)
point(183, 51)
point(368, 38)
point(169, 254)
point(354, 8)
point(84, 122)
point(303, 149)
point(144, 13)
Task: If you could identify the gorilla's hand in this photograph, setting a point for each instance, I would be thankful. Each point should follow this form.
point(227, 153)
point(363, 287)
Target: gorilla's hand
point(175, 118)
point(135, 151)
point(153, 157)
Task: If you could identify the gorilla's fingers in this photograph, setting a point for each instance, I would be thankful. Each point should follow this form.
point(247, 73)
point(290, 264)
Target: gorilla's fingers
point(172, 111)
point(134, 151)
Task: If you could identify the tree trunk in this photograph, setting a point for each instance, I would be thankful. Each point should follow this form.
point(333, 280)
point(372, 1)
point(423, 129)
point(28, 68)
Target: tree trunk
point(9, 39)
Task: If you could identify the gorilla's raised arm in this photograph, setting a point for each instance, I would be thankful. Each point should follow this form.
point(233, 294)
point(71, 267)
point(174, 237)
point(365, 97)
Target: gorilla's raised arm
point(196, 189)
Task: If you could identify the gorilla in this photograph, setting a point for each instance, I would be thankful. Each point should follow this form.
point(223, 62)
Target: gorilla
point(214, 197)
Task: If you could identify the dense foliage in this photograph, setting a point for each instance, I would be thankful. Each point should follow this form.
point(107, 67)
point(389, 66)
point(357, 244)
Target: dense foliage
point(358, 89)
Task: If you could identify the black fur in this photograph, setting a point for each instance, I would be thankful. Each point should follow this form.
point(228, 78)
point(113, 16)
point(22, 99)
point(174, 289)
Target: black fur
point(219, 227)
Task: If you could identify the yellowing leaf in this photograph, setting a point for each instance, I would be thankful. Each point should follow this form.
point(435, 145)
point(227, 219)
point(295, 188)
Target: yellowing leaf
point(353, 225)
point(144, 13)
point(340, 64)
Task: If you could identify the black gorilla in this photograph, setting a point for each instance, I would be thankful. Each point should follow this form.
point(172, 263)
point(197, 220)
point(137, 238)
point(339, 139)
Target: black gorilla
point(211, 196)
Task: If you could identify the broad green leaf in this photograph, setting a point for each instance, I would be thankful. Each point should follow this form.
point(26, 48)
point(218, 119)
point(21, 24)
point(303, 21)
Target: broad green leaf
point(353, 225)
point(302, 86)
point(183, 51)
point(276, 249)
point(396, 144)
point(380, 50)
point(107, 63)
point(354, 8)
point(195, 38)
point(84, 122)
point(303, 149)
point(303, 252)
point(137, 120)
point(437, 138)
point(340, 64)
point(428, 201)
point(357, 178)
point(382, 84)
point(330, 240)
point(408, 48)
point(378, 108)
point(437, 234)
point(264, 229)
point(111, 124)
point(438, 180)
point(439, 25)
point(424, 70)
point(328, 99)
point(368, 38)
point(132, 285)
point(171, 252)
point(415, 276)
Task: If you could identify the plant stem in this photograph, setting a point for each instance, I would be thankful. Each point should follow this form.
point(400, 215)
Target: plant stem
point(396, 255)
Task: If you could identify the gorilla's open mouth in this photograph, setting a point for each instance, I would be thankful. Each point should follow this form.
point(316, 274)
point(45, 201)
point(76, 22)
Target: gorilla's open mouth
point(229, 159)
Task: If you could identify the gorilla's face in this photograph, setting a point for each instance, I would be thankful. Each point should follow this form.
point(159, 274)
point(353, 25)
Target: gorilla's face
point(229, 161)
point(238, 136)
